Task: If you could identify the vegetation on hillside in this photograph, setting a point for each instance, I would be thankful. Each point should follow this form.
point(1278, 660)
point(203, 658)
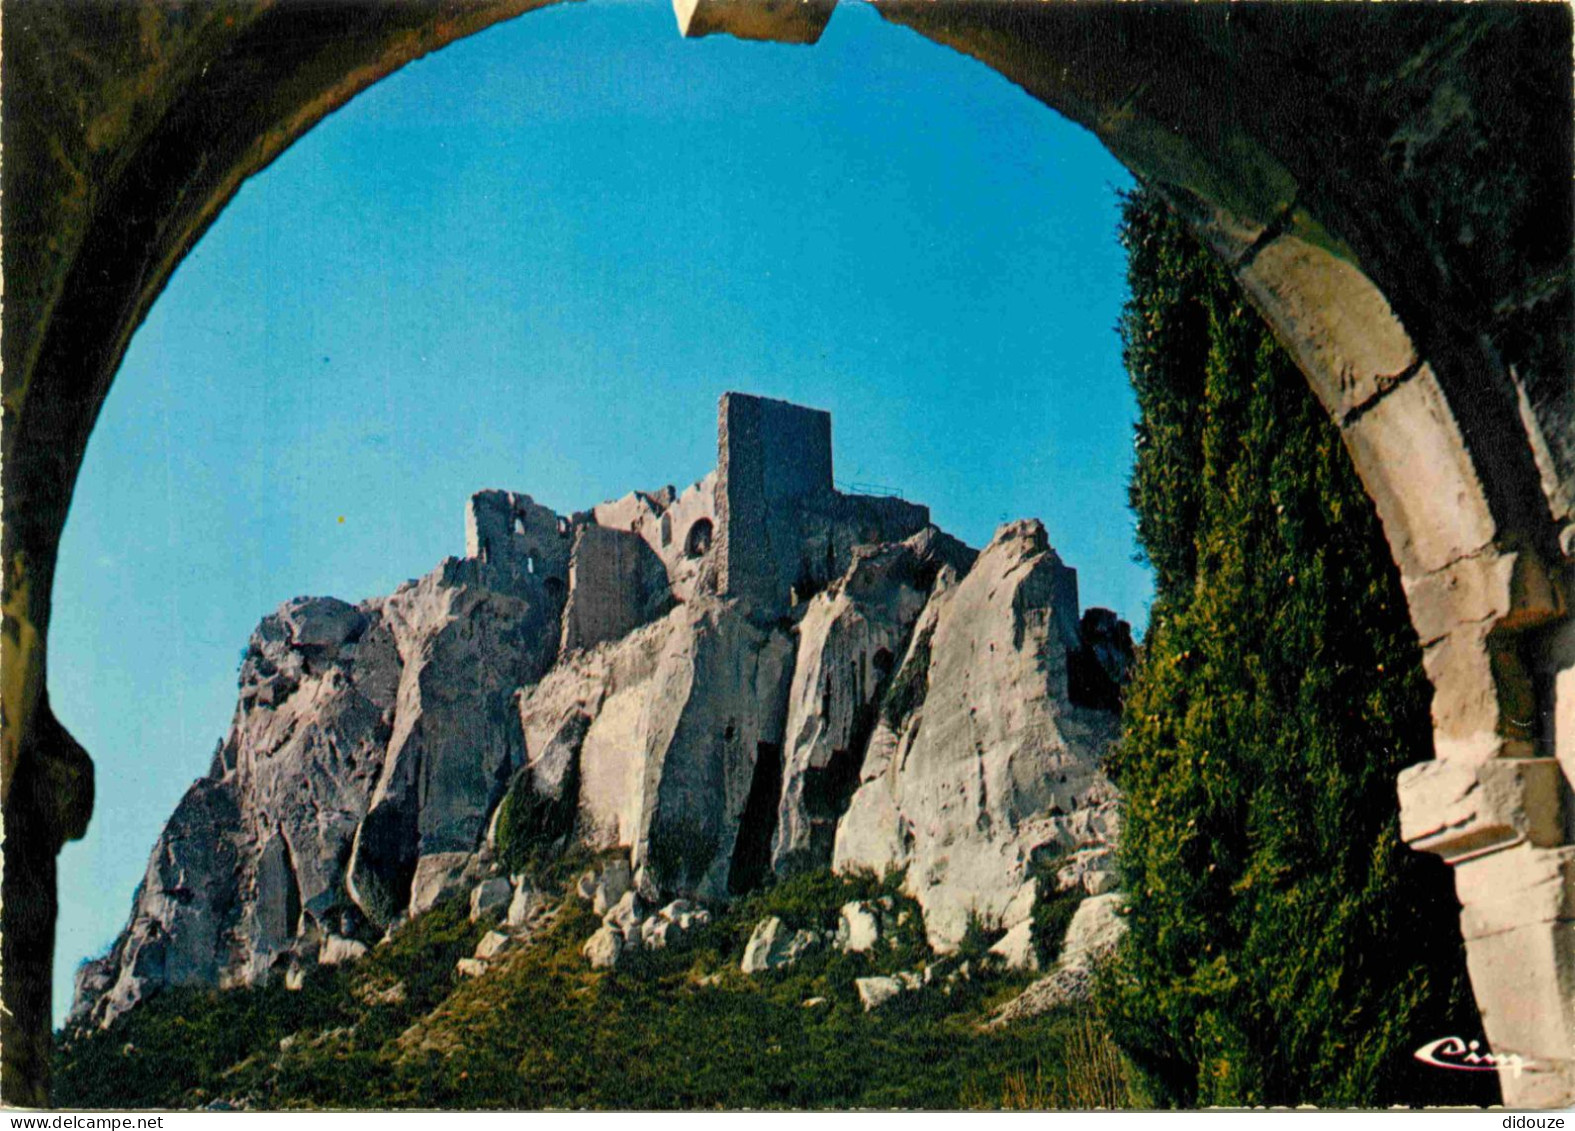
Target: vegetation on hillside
point(679, 1028)
point(1286, 947)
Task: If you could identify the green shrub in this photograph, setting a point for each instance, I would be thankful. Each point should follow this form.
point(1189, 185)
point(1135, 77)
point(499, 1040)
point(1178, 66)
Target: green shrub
point(677, 1028)
point(911, 684)
point(1285, 946)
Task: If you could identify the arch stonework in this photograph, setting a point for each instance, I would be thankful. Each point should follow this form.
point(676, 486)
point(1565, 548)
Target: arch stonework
point(1391, 184)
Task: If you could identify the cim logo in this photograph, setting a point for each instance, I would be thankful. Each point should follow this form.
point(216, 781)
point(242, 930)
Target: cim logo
point(1469, 1056)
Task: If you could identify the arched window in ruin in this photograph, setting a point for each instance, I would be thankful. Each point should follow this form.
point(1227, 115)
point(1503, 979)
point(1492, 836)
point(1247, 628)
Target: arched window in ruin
point(555, 588)
point(519, 524)
point(699, 539)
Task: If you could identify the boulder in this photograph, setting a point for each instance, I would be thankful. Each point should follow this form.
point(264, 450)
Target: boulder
point(1093, 934)
point(1095, 930)
point(616, 881)
point(673, 924)
point(1016, 947)
point(772, 946)
point(470, 967)
point(436, 877)
point(1099, 882)
point(321, 622)
point(626, 916)
point(878, 991)
point(858, 927)
point(337, 949)
point(604, 948)
point(493, 944)
point(524, 905)
point(489, 896)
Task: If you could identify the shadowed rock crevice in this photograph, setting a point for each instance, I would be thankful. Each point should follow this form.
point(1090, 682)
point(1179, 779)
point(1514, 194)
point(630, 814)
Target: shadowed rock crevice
point(758, 823)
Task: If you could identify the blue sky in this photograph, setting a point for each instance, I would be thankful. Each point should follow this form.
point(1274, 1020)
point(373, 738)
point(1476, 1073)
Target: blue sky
point(534, 260)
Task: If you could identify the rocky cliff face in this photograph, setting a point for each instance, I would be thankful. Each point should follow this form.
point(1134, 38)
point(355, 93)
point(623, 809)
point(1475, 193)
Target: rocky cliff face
point(592, 680)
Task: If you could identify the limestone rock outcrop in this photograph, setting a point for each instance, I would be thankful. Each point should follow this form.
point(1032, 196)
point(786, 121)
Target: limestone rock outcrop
point(1091, 937)
point(981, 759)
point(758, 676)
point(363, 735)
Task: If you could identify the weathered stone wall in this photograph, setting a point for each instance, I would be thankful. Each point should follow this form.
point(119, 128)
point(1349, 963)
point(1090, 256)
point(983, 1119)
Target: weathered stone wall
point(514, 531)
point(666, 520)
point(616, 584)
point(772, 458)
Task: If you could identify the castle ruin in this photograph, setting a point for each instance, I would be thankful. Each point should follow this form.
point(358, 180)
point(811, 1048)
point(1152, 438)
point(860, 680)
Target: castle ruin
point(768, 527)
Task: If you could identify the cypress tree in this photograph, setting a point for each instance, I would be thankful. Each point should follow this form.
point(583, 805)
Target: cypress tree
point(1285, 946)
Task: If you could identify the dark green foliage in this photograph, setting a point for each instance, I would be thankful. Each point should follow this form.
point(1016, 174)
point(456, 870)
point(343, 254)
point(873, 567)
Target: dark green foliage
point(532, 829)
point(1053, 909)
point(1285, 947)
point(911, 684)
point(1053, 913)
point(680, 1028)
point(176, 1049)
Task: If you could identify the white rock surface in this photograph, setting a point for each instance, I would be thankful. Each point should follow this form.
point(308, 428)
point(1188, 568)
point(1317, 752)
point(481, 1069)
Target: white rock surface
point(1093, 934)
point(524, 905)
point(1095, 930)
point(493, 944)
point(772, 946)
point(604, 948)
point(1016, 947)
point(336, 950)
point(489, 896)
point(995, 762)
point(821, 692)
point(679, 712)
point(878, 991)
point(849, 640)
point(858, 927)
point(437, 876)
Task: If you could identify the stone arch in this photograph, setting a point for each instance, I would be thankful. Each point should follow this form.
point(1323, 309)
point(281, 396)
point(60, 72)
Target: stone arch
point(698, 541)
point(1390, 184)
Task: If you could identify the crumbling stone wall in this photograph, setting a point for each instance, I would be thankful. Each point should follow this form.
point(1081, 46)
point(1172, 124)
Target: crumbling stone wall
point(616, 584)
point(783, 529)
point(772, 458)
point(507, 529)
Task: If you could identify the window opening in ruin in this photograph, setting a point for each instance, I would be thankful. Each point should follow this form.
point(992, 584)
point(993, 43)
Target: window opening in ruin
point(699, 540)
point(519, 525)
point(563, 528)
point(555, 588)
